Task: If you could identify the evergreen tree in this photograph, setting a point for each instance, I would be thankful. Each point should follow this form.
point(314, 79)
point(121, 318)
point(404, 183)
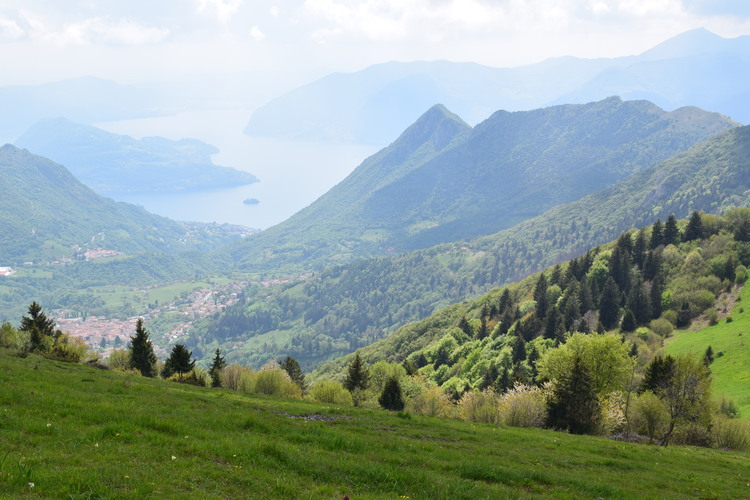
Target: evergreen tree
point(609, 305)
point(179, 361)
point(465, 327)
point(292, 368)
point(639, 249)
point(357, 376)
point(659, 373)
point(639, 302)
point(628, 322)
point(518, 350)
point(656, 235)
point(504, 383)
point(586, 297)
point(103, 343)
point(41, 329)
point(694, 229)
point(391, 398)
point(656, 292)
point(505, 302)
point(671, 232)
point(574, 405)
point(118, 341)
point(540, 296)
point(489, 378)
point(708, 357)
point(217, 365)
point(142, 357)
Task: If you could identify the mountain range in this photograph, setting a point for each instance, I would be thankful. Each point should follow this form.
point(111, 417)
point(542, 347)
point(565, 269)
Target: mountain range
point(443, 180)
point(696, 68)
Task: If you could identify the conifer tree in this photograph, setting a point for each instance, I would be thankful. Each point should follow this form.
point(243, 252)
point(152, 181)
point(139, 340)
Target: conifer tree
point(671, 232)
point(292, 368)
point(708, 357)
point(41, 329)
point(639, 249)
point(489, 378)
point(465, 327)
point(357, 376)
point(217, 365)
point(142, 357)
point(391, 398)
point(609, 305)
point(656, 235)
point(179, 361)
point(628, 322)
point(540, 296)
point(694, 229)
point(574, 405)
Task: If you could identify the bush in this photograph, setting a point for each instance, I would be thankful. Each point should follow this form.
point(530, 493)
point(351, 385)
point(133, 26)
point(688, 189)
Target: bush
point(479, 406)
point(70, 349)
point(731, 434)
point(236, 377)
point(433, 402)
point(728, 408)
point(119, 359)
point(523, 406)
point(729, 319)
point(649, 415)
point(196, 377)
point(330, 391)
point(276, 382)
point(712, 316)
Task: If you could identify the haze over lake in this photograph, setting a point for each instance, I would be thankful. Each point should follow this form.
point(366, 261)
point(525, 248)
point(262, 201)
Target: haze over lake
point(292, 174)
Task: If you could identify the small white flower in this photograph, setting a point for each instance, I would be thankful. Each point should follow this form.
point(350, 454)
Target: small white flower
point(49, 425)
point(174, 457)
point(31, 485)
point(97, 445)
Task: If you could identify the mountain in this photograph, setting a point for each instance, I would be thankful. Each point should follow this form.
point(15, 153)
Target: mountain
point(347, 307)
point(443, 181)
point(112, 163)
point(48, 214)
point(86, 100)
point(696, 68)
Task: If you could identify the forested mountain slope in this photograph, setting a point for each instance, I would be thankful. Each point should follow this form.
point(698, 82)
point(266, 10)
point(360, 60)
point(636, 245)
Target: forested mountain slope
point(347, 307)
point(47, 214)
point(441, 181)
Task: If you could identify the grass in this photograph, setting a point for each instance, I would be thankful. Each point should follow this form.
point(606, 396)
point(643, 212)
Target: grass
point(77, 432)
point(731, 368)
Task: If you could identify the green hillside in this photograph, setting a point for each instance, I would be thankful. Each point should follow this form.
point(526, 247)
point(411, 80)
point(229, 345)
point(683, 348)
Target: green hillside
point(442, 181)
point(348, 307)
point(731, 365)
point(72, 431)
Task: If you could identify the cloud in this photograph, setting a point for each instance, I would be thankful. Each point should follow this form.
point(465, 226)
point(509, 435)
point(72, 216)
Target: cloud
point(257, 34)
point(9, 29)
point(730, 8)
point(224, 9)
point(100, 30)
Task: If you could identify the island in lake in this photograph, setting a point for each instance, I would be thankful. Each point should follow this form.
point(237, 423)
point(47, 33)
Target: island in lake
point(251, 201)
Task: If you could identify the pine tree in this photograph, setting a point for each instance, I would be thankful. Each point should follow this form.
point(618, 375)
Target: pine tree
point(671, 232)
point(292, 368)
point(465, 327)
point(217, 365)
point(41, 329)
point(628, 322)
point(179, 361)
point(659, 373)
point(609, 305)
point(639, 302)
point(142, 357)
point(694, 229)
point(639, 249)
point(656, 235)
point(357, 376)
point(574, 405)
point(489, 378)
point(391, 398)
point(708, 357)
point(540, 296)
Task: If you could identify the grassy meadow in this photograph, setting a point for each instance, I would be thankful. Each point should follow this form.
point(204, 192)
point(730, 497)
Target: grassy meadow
point(730, 342)
point(73, 431)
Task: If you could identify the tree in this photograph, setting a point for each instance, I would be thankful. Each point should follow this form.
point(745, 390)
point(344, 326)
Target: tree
point(357, 376)
point(694, 229)
point(686, 395)
point(628, 322)
point(656, 235)
point(391, 398)
point(142, 357)
point(609, 304)
point(179, 361)
point(708, 357)
point(671, 232)
point(103, 343)
point(465, 327)
point(292, 368)
point(574, 405)
point(41, 330)
point(218, 364)
point(540, 296)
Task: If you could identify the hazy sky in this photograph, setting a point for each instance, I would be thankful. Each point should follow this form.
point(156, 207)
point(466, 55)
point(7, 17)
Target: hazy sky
point(287, 42)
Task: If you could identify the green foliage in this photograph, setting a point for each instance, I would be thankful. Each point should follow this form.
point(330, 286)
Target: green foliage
point(179, 361)
point(330, 391)
point(142, 357)
point(292, 368)
point(391, 397)
point(217, 365)
point(574, 404)
point(357, 376)
point(41, 330)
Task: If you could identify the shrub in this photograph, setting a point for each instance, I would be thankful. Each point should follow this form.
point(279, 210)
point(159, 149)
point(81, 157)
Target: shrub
point(479, 406)
point(729, 319)
point(330, 391)
point(712, 316)
point(196, 377)
point(67, 348)
point(276, 382)
point(731, 434)
point(728, 408)
point(523, 406)
point(119, 359)
point(391, 397)
point(649, 415)
point(433, 402)
point(232, 377)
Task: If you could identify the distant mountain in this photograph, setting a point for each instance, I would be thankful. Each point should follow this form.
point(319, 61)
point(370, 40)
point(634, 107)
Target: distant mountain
point(696, 68)
point(112, 163)
point(442, 181)
point(47, 214)
point(348, 307)
point(86, 100)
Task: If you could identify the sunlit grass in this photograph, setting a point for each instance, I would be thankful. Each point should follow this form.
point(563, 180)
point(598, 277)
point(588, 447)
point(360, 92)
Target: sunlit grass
point(77, 432)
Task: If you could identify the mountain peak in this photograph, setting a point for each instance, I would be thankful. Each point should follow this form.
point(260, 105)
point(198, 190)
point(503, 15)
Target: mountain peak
point(437, 126)
point(696, 41)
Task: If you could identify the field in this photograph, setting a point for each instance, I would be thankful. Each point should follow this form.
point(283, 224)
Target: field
point(730, 342)
point(72, 431)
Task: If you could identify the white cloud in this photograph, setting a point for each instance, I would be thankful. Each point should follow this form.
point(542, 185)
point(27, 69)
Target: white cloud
point(100, 30)
point(256, 34)
point(9, 29)
point(224, 9)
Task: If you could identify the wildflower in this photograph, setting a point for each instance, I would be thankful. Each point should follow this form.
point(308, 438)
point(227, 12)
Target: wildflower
point(117, 434)
point(174, 457)
point(49, 425)
point(97, 445)
point(31, 485)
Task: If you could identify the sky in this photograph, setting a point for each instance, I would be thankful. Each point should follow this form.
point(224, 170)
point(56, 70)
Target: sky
point(276, 45)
